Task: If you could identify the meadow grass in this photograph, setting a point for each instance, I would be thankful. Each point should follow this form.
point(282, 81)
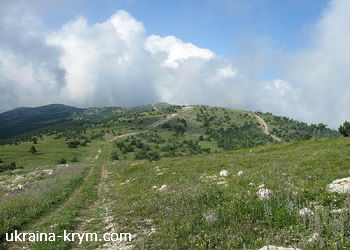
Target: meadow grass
point(50, 151)
point(67, 217)
point(19, 210)
point(200, 209)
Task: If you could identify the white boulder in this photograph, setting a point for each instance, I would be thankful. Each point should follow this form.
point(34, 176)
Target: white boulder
point(341, 186)
point(264, 193)
point(224, 173)
point(240, 173)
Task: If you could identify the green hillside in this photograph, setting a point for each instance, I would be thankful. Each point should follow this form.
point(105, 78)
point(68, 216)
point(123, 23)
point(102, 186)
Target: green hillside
point(22, 120)
point(177, 177)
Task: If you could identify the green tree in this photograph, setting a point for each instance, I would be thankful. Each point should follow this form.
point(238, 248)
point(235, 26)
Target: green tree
point(345, 129)
point(33, 149)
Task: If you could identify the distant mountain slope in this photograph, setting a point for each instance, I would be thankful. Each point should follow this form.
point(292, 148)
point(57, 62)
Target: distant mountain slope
point(199, 127)
point(22, 120)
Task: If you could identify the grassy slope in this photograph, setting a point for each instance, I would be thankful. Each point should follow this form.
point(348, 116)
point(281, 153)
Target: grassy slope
point(296, 172)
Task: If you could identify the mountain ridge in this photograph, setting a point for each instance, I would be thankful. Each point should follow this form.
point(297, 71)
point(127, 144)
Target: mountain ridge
point(192, 119)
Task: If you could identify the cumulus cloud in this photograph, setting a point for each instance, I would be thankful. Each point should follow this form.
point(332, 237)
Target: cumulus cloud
point(175, 50)
point(115, 62)
point(323, 72)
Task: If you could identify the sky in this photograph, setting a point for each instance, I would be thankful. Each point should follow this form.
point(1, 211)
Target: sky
point(291, 57)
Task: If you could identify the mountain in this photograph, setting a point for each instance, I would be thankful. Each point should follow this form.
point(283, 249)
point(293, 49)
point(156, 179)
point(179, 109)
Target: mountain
point(23, 120)
point(199, 127)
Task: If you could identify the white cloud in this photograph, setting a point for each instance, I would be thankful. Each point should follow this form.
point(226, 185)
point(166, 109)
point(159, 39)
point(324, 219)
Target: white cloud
point(175, 50)
point(114, 62)
point(322, 73)
point(279, 87)
point(227, 72)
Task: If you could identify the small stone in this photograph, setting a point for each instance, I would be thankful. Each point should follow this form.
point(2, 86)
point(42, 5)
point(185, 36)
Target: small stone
point(305, 212)
point(313, 238)
point(222, 183)
point(240, 173)
point(163, 188)
point(264, 193)
point(338, 211)
point(48, 171)
point(224, 173)
point(271, 247)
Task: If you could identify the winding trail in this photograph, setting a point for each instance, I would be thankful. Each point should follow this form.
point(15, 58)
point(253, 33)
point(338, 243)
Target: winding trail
point(170, 117)
point(155, 124)
point(265, 128)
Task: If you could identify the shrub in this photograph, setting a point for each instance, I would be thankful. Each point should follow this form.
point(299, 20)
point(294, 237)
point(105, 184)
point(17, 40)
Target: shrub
point(74, 159)
point(114, 156)
point(153, 156)
point(10, 166)
point(33, 149)
point(73, 144)
point(62, 161)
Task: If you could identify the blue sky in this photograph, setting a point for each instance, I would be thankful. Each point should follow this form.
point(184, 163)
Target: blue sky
point(223, 26)
point(288, 57)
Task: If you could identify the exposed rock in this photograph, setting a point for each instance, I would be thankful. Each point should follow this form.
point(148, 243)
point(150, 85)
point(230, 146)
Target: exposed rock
point(48, 171)
point(224, 183)
point(313, 238)
point(341, 186)
point(163, 188)
point(240, 173)
point(224, 173)
point(338, 211)
point(264, 193)
point(271, 247)
point(305, 212)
